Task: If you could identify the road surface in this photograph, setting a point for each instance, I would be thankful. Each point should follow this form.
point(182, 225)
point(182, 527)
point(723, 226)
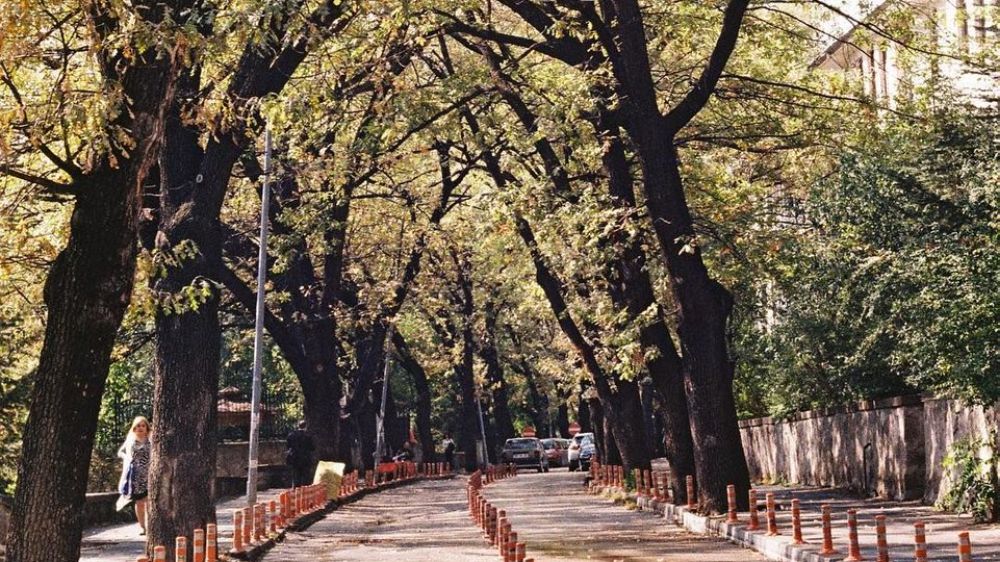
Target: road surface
point(427, 521)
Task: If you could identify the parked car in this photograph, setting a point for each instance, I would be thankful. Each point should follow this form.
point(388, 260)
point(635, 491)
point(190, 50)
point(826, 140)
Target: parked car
point(574, 449)
point(525, 451)
point(557, 451)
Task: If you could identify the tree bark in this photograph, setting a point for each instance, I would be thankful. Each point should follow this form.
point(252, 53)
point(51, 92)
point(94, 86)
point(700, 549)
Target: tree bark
point(470, 431)
point(87, 292)
point(494, 373)
point(423, 389)
point(704, 305)
point(631, 289)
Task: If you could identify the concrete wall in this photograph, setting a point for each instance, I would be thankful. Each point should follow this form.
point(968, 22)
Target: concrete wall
point(889, 448)
point(232, 456)
point(947, 421)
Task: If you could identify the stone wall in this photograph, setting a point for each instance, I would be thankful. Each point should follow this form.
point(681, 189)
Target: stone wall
point(945, 422)
point(889, 448)
point(232, 456)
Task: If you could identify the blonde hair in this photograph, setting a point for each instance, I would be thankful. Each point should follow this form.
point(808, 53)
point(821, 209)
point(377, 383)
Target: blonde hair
point(130, 438)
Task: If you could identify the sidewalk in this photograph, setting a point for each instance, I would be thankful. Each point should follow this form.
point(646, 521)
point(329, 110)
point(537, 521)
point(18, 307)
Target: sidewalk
point(122, 543)
point(941, 528)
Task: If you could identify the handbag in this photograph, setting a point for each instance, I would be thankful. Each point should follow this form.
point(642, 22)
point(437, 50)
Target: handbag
point(125, 483)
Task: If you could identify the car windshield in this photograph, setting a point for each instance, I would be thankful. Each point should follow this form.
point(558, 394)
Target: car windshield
point(549, 443)
point(520, 444)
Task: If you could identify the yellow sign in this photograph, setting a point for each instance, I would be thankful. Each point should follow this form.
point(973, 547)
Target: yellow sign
point(330, 474)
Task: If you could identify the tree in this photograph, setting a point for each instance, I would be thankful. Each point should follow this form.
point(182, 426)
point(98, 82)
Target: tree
point(90, 282)
point(194, 180)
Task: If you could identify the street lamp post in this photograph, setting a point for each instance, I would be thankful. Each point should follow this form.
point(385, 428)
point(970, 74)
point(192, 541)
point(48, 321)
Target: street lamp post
point(258, 340)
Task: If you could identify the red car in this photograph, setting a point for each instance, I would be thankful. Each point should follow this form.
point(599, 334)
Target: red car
point(557, 451)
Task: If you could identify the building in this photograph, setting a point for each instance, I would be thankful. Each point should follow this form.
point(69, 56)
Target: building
point(898, 47)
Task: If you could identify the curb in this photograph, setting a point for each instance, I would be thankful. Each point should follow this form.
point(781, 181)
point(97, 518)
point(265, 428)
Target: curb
point(305, 521)
point(773, 548)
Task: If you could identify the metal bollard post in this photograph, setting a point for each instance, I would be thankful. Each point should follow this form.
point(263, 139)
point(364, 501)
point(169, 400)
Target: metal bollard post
point(211, 543)
point(181, 549)
point(853, 548)
point(754, 516)
point(919, 542)
point(881, 544)
point(772, 516)
point(796, 523)
point(731, 498)
point(199, 545)
point(964, 547)
point(237, 531)
point(827, 532)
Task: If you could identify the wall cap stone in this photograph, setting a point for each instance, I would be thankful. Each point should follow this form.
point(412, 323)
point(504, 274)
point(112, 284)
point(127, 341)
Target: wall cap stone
point(860, 406)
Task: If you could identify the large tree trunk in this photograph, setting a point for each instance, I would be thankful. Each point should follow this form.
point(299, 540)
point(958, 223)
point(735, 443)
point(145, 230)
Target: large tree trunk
point(471, 419)
point(423, 389)
point(630, 288)
point(562, 418)
point(188, 343)
point(703, 304)
point(583, 411)
point(87, 291)
point(494, 373)
point(539, 403)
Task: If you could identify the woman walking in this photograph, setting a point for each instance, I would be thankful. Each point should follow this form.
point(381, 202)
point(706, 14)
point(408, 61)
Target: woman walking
point(133, 484)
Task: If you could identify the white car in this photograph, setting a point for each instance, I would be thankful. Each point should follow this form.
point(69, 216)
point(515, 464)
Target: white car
point(574, 449)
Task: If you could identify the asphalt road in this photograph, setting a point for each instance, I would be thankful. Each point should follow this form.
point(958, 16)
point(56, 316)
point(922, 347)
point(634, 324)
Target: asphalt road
point(427, 521)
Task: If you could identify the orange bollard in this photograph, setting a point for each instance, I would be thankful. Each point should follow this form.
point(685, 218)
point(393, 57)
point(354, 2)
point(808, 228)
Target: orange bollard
point(181, 549)
point(731, 499)
point(964, 547)
point(211, 543)
point(160, 554)
point(247, 525)
point(796, 523)
point(881, 544)
point(772, 516)
point(258, 522)
point(519, 552)
point(649, 484)
point(754, 517)
point(919, 542)
point(827, 532)
point(692, 502)
point(510, 552)
point(273, 516)
point(853, 548)
point(237, 531)
point(199, 545)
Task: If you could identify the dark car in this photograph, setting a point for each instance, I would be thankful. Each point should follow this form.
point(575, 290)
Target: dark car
point(525, 451)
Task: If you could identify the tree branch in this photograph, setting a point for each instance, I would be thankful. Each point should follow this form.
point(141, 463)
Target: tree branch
point(698, 96)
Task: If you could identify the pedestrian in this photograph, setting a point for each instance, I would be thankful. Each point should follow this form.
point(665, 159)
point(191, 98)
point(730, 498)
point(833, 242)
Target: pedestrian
point(449, 451)
point(406, 453)
point(299, 455)
point(133, 486)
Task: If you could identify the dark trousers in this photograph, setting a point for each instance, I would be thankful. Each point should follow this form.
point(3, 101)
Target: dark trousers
point(302, 474)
